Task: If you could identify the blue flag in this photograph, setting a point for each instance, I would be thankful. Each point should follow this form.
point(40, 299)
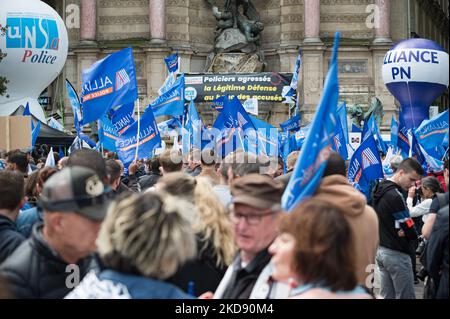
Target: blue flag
point(107, 83)
point(403, 139)
point(218, 103)
point(342, 114)
point(316, 149)
point(232, 123)
point(171, 102)
point(172, 63)
point(76, 105)
point(445, 140)
point(122, 117)
point(371, 128)
point(35, 132)
point(431, 133)
point(339, 144)
point(267, 137)
point(394, 133)
point(107, 134)
point(61, 152)
point(356, 129)
point(294, 82)
point(287, 146)
point(26, 111)
point(192, 130)
point(365, 166)
point(416, 151)
point(293, 124)
point(147, 140)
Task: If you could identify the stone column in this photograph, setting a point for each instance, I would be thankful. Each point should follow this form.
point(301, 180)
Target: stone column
point(157, 18)
point(88, 20)
point(312, 21)
point(383, 32)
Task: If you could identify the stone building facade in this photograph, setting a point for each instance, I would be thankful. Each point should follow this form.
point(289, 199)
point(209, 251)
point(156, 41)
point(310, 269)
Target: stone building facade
point(157, 28)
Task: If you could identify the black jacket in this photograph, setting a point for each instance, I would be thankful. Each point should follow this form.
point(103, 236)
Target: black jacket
point(436, 260)
point(10, 238)
point(243, 280)
point(393, 216)
point(203, 271)
point(148, 181)
point(34, 270)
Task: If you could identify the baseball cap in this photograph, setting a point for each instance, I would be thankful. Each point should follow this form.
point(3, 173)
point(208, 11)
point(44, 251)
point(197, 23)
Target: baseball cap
point(259, 191)
point(75, 189)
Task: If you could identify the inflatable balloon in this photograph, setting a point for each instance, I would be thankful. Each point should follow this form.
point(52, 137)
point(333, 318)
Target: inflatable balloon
point(415, 71)
point(36, 46)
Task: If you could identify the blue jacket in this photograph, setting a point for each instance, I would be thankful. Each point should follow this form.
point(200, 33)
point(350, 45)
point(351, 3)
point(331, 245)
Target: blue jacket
point(110, 284)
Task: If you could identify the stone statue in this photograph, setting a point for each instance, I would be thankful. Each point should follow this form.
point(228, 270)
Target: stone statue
point(375, 107)
point(356, 114)
point(238, 31)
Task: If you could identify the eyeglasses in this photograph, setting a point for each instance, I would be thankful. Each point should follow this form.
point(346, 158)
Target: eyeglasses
point(250, 219)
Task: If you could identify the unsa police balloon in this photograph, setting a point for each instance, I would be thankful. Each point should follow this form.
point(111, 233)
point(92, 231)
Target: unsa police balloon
point(36, 46)
point(416, 72)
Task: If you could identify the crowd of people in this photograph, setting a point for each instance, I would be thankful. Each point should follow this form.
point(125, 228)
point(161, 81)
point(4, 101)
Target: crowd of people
point(176, 227)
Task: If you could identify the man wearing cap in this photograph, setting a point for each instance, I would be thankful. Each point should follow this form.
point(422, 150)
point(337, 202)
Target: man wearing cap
point(254, 213)
point(57, 255)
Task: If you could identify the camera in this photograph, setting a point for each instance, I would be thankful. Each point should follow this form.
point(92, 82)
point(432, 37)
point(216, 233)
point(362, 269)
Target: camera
point(421, 247)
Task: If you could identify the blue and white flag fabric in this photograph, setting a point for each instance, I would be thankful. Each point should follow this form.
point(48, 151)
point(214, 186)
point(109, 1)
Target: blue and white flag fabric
point(339, 144)
point(433, 164)
point(35, 132)
point(192, 130)
point(371, 127)
point(122, 117)
point(233, 123)
point(342, 114)
point(394, 133)
point(107, 134)
point(416, 151)
point(50, 161)
point(55, 124)
point(147, 140)
point(387, 169)
point(268, 140)
point(168, 83)
point(431, 133)
point(365, 166)
point(171, 102)
point(356, 129)
point(218, 103)
point(294, 82)
point(316, 149)
point(172, 63)
point(445, 140)
point(76, 106)
point(35, 129)
point(301, 135)
point(26, 111)
point(403, 138)
point(293, 124)
point(108, 82)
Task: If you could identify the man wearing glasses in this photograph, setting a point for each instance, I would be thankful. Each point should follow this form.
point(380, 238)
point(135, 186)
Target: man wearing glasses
point(255, 213)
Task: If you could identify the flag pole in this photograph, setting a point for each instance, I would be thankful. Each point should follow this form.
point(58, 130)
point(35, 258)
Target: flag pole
point(138, 129)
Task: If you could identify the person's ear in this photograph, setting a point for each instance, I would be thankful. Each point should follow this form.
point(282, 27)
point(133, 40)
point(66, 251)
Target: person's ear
point(57, 222)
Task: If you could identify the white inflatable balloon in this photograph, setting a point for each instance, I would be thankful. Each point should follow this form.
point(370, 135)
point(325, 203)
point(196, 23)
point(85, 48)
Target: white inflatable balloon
point(36, 45)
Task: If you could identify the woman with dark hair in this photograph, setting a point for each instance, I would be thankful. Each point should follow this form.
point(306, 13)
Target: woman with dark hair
point(28, 217)
point(429, 187)
point(313, 254)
